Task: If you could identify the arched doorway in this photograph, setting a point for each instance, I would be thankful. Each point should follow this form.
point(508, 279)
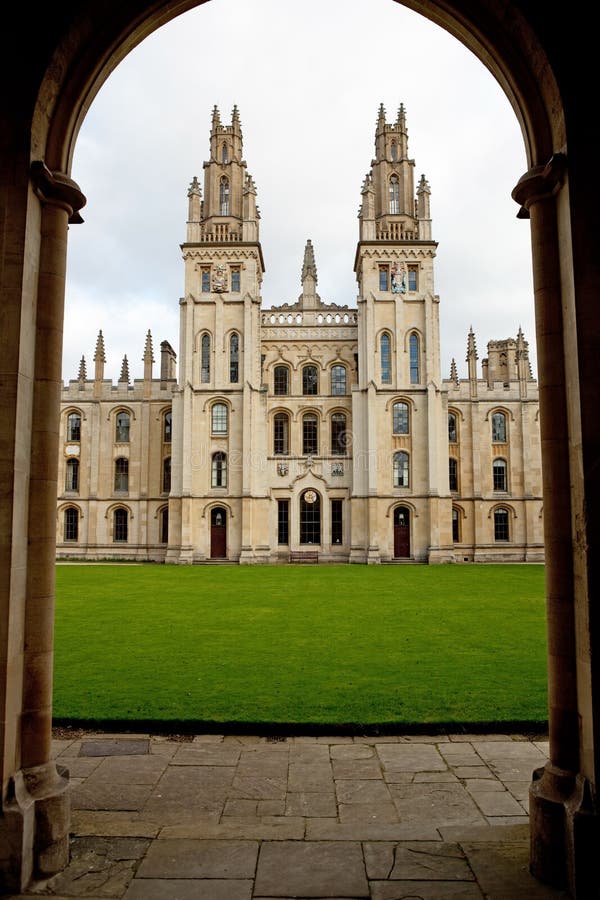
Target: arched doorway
point(401, 532)
point(218, 533)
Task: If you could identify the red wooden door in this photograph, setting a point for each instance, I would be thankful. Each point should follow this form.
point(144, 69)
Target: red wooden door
point(401, 532)
point(218, 533)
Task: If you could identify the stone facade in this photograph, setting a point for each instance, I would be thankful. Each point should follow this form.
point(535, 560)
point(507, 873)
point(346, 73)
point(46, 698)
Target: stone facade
point(309, 427)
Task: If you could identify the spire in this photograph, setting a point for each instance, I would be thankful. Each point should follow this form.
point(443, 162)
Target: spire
point(148, 357)
point(235, 119)
point(309, 298)
point(381, 117)
point(309, 266)
point(453, 372)
point(124, 376)
point(216, 118)
point(472, 362)
point(82, 374)
point(401, 118)
point(471, 345)
point(99, 355)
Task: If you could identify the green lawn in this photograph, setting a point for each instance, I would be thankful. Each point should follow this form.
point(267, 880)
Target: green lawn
point(334, 645)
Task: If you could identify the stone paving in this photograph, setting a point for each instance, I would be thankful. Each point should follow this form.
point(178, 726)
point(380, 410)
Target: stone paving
point(220, 817)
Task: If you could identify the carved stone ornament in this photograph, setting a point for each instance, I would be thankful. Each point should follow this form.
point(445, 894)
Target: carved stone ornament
point(310, 496)
point(219, 279)
point(282, 468)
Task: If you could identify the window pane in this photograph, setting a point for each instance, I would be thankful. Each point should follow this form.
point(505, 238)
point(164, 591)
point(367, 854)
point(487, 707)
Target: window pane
point(71, 524)
point(400, 418)
point(499, 428)
point(310, 442)
point(72, 475)
point(281, 428)
point(164, 526)
point(394, 195)
point(401, 469)
point(120, 525)
point(310, 381)
point(235, 281)
point(414, 359)
point(499, 475)
point(453, 474)
point(338, 380)
point(224, 196)
point(219, 418)
point(455, 526)
point(166, 475)
point(338, 434)
point(501, 525)
point(205, 281)
point(452, 435)
point(412, 278)
point(74, 427)
point(121, 474)
point(167, 428)
point(386, 370)
point(337, 535)
point(281, 380)
point(219, 470)
point(310, 518)
point(122, 428)
point(383, 278)
point(283, 521)
point(234, 357)
point(205, 373)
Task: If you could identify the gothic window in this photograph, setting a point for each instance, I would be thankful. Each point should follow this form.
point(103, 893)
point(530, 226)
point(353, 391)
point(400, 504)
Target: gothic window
point(219, 470)
point(310, 381)
point(281, 434)
point(205, 280)
point(413, 344)
point(234, 358)
point(453, 473)
point(281, 381)
point(235, 280)
point(219, 418)
point(164, 525)
point(386, 358)
point(501, 530)
point(224, 196)
point(166, 479)
point(337, 531)
point(455, 525)
point(499, 428)
point(384, 278)
point(72, 475)
point(310, 435)
point(122, 422)
point(205, 359)
point(339, 435)
point(452, 428)
point(121, 474)
point(224, 154)
point(120, 525)
point(74, 427)
point(401, 469)
point(394, 153)
point(283, 521)
point(413, 277)
point(71, 524)
point(400, 418)
point(394, 195)
point(499, 474)
point(338, 380)
point(310, 518)
point(167, 424)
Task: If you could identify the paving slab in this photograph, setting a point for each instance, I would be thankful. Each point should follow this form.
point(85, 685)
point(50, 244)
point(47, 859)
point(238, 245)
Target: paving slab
point(442, 804)
point(189, 889)
point(502, 871)
point(115, 747)
point(427, 890)
point(422, 861)
point(411, 757)
point(311, 869)
point(206, 755)
point(99, 865)
point(189, 858)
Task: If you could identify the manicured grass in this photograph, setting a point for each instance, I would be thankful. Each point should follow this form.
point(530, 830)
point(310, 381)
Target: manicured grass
point(335, 645)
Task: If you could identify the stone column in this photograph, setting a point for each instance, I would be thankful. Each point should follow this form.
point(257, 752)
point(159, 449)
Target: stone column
point(40, 808)
point(557, 788)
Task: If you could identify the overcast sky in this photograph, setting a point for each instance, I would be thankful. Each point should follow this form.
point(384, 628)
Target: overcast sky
point(308, 80)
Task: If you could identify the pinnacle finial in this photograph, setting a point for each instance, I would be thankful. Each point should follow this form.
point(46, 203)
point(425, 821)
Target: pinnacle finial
point(99, 355)
point(471, 345)
point(401, 118)
point(308, 266)
point(82, 374)
point(148, 354)
point(216, 117)
point(124, 376)
point(194, 188)
point(381, 114)
point(453, 371)
point(235, 115)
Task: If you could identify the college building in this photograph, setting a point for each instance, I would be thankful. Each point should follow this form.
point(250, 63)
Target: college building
point(310, 431)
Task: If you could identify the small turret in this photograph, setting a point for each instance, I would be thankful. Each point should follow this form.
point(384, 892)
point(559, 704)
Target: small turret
point(424, 209)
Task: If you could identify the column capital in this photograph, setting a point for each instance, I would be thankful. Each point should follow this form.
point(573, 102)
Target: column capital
point(57, 189)
point(539, 183)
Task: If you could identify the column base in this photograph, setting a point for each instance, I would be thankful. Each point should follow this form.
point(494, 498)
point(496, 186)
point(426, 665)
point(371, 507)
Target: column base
point(34, 826)
point(565, 832)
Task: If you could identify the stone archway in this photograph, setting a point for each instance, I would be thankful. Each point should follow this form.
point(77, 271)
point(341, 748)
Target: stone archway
point(70, 56)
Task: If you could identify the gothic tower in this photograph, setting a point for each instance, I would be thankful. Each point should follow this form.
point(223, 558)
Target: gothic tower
point(217, 406)
point(400, 475)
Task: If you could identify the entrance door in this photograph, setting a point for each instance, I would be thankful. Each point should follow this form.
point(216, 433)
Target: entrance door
point(401, 532)
point(218, 533)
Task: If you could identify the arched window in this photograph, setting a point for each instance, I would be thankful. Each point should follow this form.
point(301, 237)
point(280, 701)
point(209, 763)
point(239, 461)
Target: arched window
point(453, 473)
point(413, 344)
point(499, 471)
point(224, 153)
point(166, 473)
point(501, 530)
point(499, 428)
point(310, 434)
point(219, 470)
point(122, 422)
point(401, 469)
point(394, 153)
point(205, 360)
point(167, 427)
point(310, 518)
point(121, 474)
point(400, 418)
point(281, 381)
point(339, 435)
point(338, 380)
point(455, 525)
point(385, 344)
point(120, 525)
point(310, 380)
point(74, 427)
point(72, 475)
point(219, 418)
point(71, 524)
point(281, 434)
point(164, 525)
point(224, 196)
point(452, 428)
point(234, 358)
point(394, 195)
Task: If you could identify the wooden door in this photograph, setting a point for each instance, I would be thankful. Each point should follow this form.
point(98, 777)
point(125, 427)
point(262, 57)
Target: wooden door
point(401, 532)
point(218, 533)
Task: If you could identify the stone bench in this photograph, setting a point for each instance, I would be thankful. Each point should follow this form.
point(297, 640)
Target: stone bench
point(304, 556)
